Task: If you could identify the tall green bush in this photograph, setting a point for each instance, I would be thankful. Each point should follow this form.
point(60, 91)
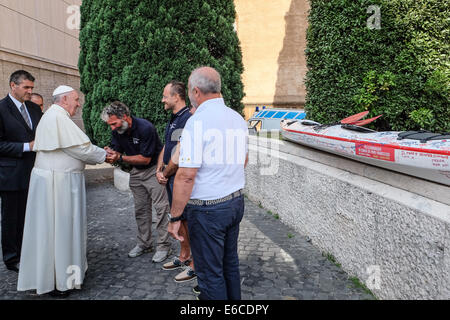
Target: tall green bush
point(400, 70)
point(130, 49)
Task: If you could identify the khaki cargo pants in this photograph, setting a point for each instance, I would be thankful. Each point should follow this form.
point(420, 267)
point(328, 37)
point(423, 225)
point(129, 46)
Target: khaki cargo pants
point(147, 191)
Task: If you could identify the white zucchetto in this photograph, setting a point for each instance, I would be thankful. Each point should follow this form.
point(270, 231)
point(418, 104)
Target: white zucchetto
point(62, 89)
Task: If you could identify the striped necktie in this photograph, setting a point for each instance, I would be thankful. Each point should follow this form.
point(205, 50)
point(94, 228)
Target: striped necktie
point(25, 115)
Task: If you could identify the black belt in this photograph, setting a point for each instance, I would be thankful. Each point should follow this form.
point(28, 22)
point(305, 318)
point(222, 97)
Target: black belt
point(198, 202)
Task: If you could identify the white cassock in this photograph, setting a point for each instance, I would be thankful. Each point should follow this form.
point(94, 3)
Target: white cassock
point(55, 235)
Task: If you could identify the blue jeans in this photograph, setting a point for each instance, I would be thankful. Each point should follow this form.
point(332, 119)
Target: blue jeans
point(214, 232)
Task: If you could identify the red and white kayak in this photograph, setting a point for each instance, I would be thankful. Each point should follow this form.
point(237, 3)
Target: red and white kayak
point(427, 158)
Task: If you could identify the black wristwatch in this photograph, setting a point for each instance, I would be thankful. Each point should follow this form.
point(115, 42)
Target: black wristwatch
point(120, 158)
point(173, 219)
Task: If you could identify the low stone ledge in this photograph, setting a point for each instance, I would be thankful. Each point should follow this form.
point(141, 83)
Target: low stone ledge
point(394, 240)
point(425, 188)
point(121, 179)
point(98, 173)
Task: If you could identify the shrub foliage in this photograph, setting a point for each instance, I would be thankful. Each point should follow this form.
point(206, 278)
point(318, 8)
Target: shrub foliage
point(130, 49)
point(400, 70)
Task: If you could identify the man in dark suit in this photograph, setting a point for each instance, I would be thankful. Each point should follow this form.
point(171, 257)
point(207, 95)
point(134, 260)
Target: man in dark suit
point(19, 118)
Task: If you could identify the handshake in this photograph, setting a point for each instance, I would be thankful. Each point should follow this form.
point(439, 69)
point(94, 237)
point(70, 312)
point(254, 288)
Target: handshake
point(111, 155)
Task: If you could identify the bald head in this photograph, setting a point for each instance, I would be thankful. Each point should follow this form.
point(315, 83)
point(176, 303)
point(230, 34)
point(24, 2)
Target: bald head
point(206, 79)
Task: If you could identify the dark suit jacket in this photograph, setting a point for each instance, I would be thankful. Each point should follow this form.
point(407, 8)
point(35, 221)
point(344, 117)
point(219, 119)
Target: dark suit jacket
point(16, 165)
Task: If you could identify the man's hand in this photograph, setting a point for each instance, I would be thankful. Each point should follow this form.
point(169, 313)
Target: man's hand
point(31, 145)
point(108, 150)
point(173, 229)
point(160, 177)
point(111, 155)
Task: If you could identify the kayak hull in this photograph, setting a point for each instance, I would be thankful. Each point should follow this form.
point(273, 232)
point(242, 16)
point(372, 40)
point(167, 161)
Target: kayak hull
point(430, 160)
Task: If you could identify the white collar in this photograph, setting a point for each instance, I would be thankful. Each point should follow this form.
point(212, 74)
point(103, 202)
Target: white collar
point(60, 109)
point(210, 101)
point(16, 102)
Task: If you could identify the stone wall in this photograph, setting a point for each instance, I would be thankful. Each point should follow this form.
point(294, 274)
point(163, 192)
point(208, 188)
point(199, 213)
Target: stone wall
point(35, 36)
point(395, 237)
point(273, 41)
point(272, 36)
point(48, 77)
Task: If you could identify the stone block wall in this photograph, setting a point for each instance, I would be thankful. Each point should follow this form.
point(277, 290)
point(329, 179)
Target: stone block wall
point(35, 35)
point(48, 77)
point(393, 237)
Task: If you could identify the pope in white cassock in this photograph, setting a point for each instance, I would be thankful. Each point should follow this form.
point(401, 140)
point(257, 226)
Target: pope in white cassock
point(53, 255)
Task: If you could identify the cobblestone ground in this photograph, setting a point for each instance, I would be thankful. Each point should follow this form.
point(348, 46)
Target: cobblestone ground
point(277, 263)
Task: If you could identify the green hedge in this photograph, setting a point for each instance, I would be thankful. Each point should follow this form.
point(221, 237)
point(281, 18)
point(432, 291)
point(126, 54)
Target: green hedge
point(401, 70)
point(130, 49)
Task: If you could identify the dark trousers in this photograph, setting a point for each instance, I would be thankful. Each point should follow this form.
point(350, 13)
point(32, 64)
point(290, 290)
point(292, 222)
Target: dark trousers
point(214, 232)
point(14, 204)
point(169, 188)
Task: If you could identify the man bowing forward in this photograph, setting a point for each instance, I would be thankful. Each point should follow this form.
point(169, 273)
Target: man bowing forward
point(55, 235)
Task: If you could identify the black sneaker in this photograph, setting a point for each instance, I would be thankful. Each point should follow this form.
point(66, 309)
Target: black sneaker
point(60, 294)
point(196, 290)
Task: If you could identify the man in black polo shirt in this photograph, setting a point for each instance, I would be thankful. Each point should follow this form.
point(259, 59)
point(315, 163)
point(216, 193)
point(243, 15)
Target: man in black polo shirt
point(136, 142)
point(174, 99)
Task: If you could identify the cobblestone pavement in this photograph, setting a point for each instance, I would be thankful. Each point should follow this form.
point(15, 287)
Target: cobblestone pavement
point(277, 263)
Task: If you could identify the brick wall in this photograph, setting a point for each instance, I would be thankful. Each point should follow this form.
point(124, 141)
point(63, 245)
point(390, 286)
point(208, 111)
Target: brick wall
point(48, 77)
point(35, 36)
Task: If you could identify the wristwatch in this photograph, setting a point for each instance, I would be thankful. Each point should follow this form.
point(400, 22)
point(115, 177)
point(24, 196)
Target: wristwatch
point(173, 219)
point(120, 158)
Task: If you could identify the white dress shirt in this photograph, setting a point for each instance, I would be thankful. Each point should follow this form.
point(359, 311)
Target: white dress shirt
point(26, 146)
point(215, 140)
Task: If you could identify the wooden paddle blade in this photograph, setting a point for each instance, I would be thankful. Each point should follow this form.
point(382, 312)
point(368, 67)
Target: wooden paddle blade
point(363, 122)
point(355, 117)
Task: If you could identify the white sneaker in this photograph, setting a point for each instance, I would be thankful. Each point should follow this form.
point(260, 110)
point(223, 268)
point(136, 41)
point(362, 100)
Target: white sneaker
point(137, 251)
point(160, 256)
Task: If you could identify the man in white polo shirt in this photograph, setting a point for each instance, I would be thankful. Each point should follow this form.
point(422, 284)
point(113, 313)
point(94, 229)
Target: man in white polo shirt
point(209, 183)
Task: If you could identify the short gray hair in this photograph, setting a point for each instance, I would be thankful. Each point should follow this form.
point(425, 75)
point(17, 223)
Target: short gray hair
point(18, 76)
point(206, 82)
point(116, 108)
point(57, 98)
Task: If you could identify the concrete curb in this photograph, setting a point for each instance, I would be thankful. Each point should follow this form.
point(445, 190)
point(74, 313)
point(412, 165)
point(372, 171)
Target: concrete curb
point(98, 173)
point(121, 179)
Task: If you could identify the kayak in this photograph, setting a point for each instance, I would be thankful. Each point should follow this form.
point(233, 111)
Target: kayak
point(422, 154)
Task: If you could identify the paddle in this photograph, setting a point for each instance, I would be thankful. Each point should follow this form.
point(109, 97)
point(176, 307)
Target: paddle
point(352, 120)
point(363, 122)
point(355, 117)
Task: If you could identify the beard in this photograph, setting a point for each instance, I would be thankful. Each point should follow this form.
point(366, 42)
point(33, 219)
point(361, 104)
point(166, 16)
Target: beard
point(169, 107)
point(123, 128)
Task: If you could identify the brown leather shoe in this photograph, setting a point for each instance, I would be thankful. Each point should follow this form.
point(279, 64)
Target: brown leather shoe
point(187, 275)
point(176, 264)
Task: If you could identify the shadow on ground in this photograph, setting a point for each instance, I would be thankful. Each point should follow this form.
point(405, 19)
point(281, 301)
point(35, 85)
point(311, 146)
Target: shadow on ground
point(276, 262)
